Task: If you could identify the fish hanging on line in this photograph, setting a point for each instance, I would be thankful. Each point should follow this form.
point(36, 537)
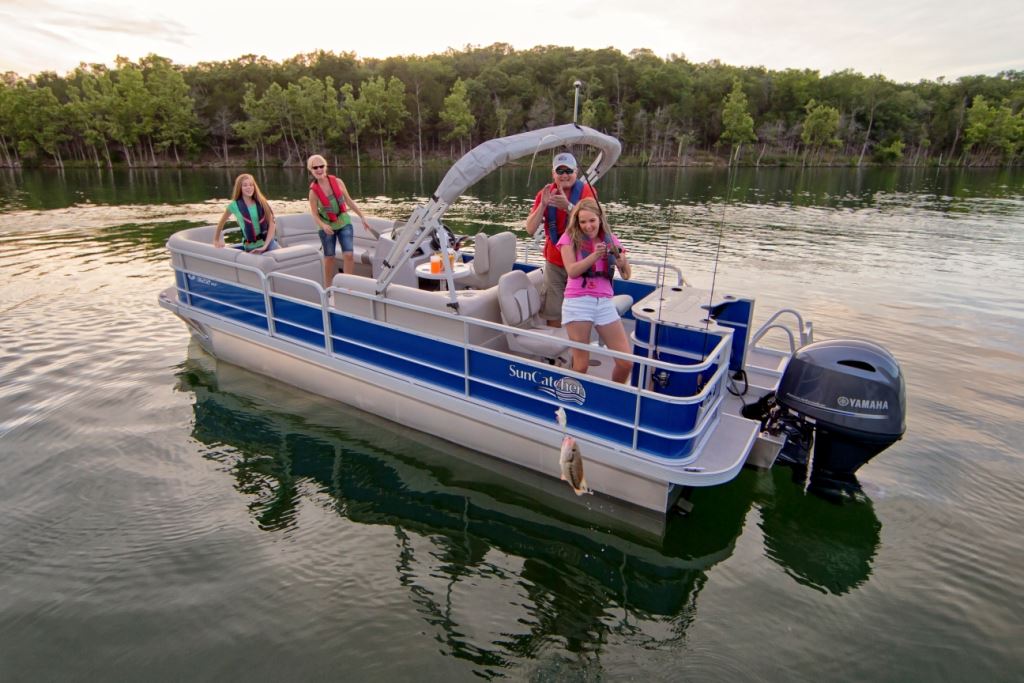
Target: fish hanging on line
point(570, 459)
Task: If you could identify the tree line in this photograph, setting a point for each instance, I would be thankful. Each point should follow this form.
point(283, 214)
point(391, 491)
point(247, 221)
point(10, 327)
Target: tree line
point(252, 110)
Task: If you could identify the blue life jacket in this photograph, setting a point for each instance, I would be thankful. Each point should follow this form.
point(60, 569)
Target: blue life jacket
point(249, 234)
point(550, 224)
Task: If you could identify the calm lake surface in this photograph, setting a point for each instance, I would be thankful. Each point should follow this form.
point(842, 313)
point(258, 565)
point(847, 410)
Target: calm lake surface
point(170, 518)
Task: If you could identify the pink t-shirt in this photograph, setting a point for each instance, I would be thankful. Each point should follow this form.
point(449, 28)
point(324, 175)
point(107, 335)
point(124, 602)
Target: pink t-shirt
point(551, 252)
point(601, 286)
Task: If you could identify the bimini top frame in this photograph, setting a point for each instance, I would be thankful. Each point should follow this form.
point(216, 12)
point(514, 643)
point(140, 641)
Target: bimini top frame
point(477, 163)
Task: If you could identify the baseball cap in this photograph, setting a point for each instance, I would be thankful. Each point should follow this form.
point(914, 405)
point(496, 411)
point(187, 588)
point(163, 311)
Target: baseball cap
point(564, 159)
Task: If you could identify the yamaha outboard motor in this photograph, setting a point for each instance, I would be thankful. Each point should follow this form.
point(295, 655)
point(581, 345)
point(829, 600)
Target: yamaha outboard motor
point(844, 396)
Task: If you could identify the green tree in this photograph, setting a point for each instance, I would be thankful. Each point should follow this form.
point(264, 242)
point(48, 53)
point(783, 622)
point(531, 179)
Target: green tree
point(257, 130)
point(737, 123)
point(314, 110)
point(38, 121)
point(277, 109)
point(8, 144)
point(98, 103)
point(384, 104)
point(456, 114)
point(353, 118)
point(993, 130)
point(820, 127)
point(891, 153)
point(131, 111)
point(425, 77)
point(174, 119)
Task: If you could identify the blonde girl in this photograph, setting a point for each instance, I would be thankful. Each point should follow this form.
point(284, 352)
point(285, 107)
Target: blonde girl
point(253, 214)
point(591, 254)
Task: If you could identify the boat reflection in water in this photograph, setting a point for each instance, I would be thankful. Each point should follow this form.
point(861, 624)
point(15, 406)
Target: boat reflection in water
point(282, 445)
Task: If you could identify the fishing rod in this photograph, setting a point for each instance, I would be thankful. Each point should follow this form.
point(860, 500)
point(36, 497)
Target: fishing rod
point(730, 179)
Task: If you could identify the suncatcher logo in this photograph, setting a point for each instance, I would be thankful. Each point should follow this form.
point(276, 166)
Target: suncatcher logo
point(563, 388)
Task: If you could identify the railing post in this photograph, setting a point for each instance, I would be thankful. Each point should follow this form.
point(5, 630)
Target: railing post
point(268, 303)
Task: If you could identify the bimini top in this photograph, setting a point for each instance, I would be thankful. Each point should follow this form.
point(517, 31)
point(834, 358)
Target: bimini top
point(480, 161)
point(494, 154)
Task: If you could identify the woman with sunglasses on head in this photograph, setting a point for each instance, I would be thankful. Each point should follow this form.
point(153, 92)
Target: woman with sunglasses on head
point(330, 203)
point(254, 215)
point(551, 209)
point(592, 254)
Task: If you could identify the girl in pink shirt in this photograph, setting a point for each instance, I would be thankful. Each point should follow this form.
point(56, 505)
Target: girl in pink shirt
point(588, 294)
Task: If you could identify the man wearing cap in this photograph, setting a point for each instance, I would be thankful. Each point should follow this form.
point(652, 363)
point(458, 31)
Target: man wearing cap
point(551, 209)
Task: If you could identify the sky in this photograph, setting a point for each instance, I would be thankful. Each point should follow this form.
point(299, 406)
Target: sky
point(905, 40)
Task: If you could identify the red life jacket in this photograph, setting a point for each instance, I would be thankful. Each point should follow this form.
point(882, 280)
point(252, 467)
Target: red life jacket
point(325, 202)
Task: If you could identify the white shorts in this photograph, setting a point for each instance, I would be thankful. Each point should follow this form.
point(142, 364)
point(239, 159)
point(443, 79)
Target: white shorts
point(593, 309)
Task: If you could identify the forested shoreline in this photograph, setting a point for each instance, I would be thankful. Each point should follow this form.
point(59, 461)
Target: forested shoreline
point(413, 110)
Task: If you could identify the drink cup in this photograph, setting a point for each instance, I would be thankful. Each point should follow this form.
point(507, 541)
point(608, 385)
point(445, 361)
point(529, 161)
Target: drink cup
point(435, 263)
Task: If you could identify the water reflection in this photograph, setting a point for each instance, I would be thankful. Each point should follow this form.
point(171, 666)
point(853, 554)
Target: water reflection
point(942, 190)
point(823, 541)
point(465, 533)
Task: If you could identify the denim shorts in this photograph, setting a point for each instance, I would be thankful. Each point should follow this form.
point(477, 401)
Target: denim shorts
point(599, 310)
point(330, 239)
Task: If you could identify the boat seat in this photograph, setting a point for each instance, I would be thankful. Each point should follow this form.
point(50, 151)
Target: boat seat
point(519, 301)
point(622, 303)
point(406, 274)
point(300, 229)
point(480, 304)
point(494, 256)
point(300, 260)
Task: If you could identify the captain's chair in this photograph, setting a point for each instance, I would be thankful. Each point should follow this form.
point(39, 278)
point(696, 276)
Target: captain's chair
point(494, 256)
point(519, 301)
point(406, 274)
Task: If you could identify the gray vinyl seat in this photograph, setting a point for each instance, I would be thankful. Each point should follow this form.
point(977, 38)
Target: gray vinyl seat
point(494, 256)
point(406, 274)
point(622, 303)
point(519, 302)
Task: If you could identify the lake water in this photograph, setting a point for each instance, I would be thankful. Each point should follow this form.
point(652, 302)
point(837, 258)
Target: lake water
point(166, 517)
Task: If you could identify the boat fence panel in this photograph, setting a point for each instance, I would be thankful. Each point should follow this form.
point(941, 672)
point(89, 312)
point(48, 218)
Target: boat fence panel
point(658, 423)
point(299, 321)
point(232, 302)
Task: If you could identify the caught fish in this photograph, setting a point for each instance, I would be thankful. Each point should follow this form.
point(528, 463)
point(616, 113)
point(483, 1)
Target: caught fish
point(571, 461)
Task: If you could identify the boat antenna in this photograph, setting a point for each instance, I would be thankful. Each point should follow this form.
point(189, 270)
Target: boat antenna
point(577, 85)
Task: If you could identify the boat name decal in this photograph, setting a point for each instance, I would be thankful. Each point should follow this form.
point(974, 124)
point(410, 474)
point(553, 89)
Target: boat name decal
point(201, 280)
point(863, 403)
point(562, 388)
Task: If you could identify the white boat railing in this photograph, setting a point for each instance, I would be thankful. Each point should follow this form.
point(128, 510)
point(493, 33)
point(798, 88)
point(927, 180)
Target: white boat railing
point(711, 389)
point(804, 330)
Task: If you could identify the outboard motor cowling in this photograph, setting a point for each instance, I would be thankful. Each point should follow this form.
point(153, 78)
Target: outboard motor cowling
point(853, 394)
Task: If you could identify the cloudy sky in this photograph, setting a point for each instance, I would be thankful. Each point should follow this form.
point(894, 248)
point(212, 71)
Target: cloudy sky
point(906, 40)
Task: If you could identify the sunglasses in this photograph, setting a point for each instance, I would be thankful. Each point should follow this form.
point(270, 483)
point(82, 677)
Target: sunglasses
point(317, 168)
point(562, 170)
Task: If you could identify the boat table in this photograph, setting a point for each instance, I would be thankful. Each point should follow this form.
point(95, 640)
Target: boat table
point(678, 307)
point(459, 271)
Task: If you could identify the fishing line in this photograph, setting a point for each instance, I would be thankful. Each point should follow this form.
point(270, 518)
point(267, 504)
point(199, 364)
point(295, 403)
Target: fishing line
point(714, 272)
